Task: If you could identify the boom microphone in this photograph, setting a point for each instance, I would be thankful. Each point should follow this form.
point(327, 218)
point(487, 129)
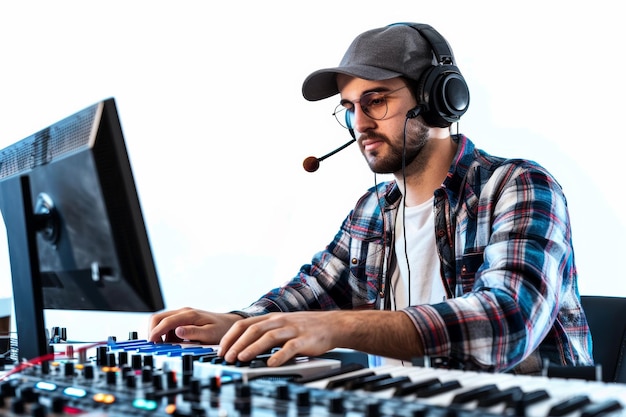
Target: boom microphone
point(312, 163)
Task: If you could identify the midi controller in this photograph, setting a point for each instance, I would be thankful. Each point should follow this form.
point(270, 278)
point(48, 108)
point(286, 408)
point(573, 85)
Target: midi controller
point(140, 378)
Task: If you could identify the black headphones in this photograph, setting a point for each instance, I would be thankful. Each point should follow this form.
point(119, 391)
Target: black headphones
point(442, 93)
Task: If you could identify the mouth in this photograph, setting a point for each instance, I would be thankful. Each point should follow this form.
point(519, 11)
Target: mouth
point(370, 144)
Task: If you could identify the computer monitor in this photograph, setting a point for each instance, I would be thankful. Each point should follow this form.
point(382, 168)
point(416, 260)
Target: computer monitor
point(75, 230)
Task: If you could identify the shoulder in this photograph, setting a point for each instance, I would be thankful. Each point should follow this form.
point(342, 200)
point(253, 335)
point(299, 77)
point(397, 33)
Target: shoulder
point(480, 167)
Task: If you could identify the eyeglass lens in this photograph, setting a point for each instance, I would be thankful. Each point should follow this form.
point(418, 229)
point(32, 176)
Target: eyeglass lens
point(373, 104)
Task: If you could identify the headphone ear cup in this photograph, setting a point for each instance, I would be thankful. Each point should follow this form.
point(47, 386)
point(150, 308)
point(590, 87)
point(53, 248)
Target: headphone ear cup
point(444, 95)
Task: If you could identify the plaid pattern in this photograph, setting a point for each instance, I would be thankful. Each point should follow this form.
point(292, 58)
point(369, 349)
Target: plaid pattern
point(503, 235)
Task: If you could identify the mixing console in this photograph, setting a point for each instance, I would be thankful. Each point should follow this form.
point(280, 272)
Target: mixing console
point(138, 378)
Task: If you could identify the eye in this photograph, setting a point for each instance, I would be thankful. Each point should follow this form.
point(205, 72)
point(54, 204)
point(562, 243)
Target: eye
point(372, 100)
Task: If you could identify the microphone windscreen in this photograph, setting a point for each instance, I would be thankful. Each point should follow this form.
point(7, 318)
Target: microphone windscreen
point(311, 164)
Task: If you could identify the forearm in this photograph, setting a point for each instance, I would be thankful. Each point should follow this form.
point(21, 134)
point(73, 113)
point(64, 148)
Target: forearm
point(384, 333)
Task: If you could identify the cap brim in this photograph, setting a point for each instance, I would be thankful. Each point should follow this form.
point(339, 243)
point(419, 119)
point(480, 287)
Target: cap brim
point(322, 84)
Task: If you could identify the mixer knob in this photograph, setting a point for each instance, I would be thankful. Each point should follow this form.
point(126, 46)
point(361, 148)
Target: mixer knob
point(27, 394)
point(58, 404)
point(69, 351)
point(111, 377)
point(215, 384)
point(172, 382)
point(68, 369)
point(7, 388)
point(148, 360)
point(335, 405)
point(38, 410)
point(282, 392)
point(17, 406)
point(136, 361)
point(110, 359)
point(243, 400)
point(195, 387)
point(88, 372)
point(187, 362)
point(45, 367)
point(187, 368)
point(372, 409)
point(303, 399)
point(59, 335)
point(146, 374)
point(101, 353)
point(131, 380)
point(157, 381)
point(243, 391)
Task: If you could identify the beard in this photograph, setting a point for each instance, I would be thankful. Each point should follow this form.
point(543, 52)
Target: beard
point(398, 153)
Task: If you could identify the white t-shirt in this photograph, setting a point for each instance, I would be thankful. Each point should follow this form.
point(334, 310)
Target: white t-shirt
point(417, 281)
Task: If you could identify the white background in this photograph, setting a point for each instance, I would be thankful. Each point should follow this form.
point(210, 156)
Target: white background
point(209, 94)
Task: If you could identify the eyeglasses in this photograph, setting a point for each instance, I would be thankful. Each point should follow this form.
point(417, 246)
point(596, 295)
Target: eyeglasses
point(373, 104)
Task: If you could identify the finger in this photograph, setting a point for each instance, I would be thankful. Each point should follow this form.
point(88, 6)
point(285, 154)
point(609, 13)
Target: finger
point(165, 322)
point(232, 335)
point(258, 338)
point(157, 328)
point(291, 347)
point(160, 332)
point(200, 334)
point(239, 337)
point(155, 319)
point(280, 357)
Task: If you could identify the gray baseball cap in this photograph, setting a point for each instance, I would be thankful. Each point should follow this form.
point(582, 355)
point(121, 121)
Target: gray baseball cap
point(378, 54)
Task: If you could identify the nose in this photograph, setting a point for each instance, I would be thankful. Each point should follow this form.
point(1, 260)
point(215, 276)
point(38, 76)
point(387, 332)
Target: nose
point(361, 122)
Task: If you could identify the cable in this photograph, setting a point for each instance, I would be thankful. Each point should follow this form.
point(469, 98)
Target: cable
point(43, 358)
point(406, 251)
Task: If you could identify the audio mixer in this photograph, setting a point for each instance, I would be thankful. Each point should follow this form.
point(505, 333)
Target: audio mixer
point(140, 378)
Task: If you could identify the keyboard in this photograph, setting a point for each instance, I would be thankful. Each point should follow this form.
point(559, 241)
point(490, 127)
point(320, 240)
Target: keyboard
point(203, 361)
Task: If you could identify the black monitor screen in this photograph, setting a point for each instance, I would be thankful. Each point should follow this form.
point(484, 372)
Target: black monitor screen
point(76, 234)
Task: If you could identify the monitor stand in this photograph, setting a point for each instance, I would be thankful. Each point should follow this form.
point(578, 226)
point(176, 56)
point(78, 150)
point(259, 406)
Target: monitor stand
point(22, 225)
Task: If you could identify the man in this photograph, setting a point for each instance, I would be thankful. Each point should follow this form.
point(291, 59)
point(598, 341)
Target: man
point(464, 257)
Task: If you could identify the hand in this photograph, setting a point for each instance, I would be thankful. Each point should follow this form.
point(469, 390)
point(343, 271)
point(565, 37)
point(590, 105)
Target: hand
point(312, 333)
point(297, 333)
point(190, 324)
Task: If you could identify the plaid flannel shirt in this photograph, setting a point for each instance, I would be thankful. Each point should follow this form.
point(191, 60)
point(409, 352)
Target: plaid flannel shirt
point(503, 236)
